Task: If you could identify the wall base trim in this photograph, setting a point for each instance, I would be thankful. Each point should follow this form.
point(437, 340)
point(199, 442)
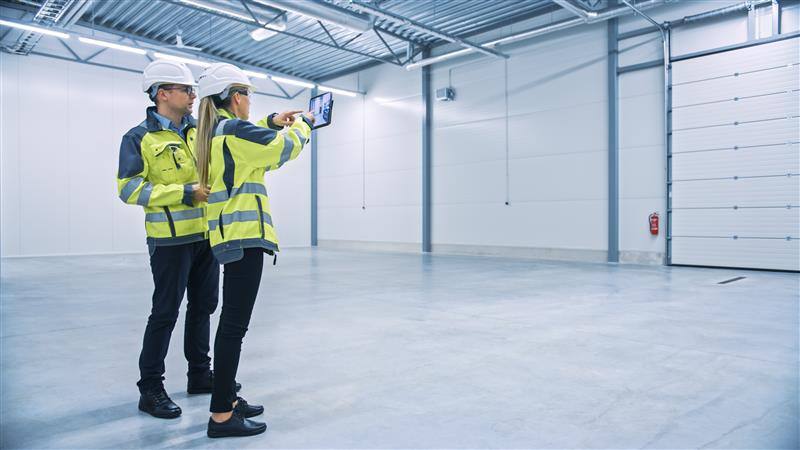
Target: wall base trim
point(640, 257)
point(559, 254)
point(371, 246)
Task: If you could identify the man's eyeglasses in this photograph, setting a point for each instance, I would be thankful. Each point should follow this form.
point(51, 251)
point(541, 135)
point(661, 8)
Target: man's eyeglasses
point(188, 89)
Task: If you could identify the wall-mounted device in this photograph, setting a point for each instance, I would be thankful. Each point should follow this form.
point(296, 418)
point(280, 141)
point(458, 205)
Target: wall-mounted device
point(445, 94)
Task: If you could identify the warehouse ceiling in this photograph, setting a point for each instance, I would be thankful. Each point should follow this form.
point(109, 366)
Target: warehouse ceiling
point(296, 43)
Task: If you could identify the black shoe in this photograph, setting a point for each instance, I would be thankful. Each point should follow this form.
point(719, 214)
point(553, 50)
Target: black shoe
point(235, 426)
point(247, 410)
point(204, 384)
point(157, 403)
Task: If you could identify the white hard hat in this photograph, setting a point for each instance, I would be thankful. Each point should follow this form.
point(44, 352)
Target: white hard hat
point(217, 78)
point(164, 71)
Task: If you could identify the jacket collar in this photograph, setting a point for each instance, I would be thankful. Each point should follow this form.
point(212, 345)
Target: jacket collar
point(224, 113)
point(153, 124)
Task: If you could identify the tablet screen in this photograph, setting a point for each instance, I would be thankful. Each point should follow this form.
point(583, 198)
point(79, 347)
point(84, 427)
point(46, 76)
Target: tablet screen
point(322, 107)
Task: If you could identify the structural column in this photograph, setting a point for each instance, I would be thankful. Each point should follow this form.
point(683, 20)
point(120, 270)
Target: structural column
point(613, 142)
point(427, 121)
point(314, 92)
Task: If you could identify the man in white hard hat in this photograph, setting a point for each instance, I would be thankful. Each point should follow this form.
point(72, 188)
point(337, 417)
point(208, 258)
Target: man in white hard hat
point(157, 171)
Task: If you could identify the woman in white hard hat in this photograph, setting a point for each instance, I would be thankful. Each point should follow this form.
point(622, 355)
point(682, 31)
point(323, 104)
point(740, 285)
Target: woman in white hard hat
point(157, 171)
point(233, 156)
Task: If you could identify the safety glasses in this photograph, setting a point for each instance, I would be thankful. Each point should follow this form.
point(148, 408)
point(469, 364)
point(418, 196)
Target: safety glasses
point(189, 90)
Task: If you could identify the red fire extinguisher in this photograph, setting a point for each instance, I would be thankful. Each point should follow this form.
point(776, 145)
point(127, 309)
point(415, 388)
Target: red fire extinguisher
point(654, 224)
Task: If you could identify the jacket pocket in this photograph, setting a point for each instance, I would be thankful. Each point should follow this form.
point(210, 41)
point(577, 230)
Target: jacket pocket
point(166, 164)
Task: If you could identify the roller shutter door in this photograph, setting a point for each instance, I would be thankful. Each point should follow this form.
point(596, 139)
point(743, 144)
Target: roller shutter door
point(735, 164)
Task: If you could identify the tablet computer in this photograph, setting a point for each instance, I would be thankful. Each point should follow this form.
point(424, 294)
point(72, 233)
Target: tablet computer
point(322, 107)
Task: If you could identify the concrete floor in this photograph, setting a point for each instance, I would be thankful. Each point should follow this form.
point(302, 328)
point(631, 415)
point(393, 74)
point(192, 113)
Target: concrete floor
point(370, 350)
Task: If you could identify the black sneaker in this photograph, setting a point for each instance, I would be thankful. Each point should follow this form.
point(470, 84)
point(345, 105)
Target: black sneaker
point(157, 403)
point(235, 426)
point(247, 410)
point(204, 384)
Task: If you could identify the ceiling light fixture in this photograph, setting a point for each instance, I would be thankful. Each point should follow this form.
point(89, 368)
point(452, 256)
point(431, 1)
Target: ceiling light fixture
point(337, 91)
point(193, 62)
point(210, 7)
point(123, 48)
point(39, 30)
point(260, 34)
point(292, 82)
point(252, 74)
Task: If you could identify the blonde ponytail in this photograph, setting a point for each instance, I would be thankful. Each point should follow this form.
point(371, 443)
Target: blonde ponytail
point(206, 121)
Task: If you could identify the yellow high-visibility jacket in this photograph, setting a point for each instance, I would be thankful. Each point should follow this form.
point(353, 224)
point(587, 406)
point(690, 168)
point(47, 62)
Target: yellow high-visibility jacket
point(157, 170)
point(238, 206)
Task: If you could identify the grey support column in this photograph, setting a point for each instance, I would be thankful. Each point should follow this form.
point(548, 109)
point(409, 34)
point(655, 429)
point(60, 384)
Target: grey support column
point(314, 182)
point(613, 142)
point(427, 121)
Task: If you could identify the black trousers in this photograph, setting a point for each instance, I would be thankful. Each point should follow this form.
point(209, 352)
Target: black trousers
point(239, 290)
point(189, 268)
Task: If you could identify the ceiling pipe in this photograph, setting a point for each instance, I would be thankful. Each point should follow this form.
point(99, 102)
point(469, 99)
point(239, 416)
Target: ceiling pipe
point(355, 22)
point(601, 16)
point(584, 14)
point(408, 23)
point(744, 6)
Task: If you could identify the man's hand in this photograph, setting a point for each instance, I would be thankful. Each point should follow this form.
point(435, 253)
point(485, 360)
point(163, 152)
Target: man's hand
point(310, 116)
point(285, 118)
point(200, 193)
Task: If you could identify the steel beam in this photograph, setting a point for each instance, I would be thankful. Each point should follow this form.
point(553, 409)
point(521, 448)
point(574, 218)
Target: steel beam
point(640, 66)
point(363, 7)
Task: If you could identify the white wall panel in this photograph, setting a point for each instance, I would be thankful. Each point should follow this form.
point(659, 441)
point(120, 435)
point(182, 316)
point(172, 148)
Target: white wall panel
point(642, 159)
point(552, 225)
point(552, 132)
point(769, 131)
point(779, 78)
point(10, 177)
point(778, 190)
point(782, 254)
point(90, 177)
point(557, 139)
point(752, 108)
point(45, 195)
point(369, 160)
point(753, 161)
point(571, 176)
point(740, 221)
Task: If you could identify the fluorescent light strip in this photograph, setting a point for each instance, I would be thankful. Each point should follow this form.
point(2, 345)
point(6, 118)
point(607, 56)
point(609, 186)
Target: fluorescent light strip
point(39, 30)
point(252, 74)
point(193, 62)
point(337, 91)
point(124, 48)
point(292, 82)
point(219, 10)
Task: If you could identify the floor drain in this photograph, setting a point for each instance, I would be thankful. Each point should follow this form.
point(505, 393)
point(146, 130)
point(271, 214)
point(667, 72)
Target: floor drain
point(731, 280)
